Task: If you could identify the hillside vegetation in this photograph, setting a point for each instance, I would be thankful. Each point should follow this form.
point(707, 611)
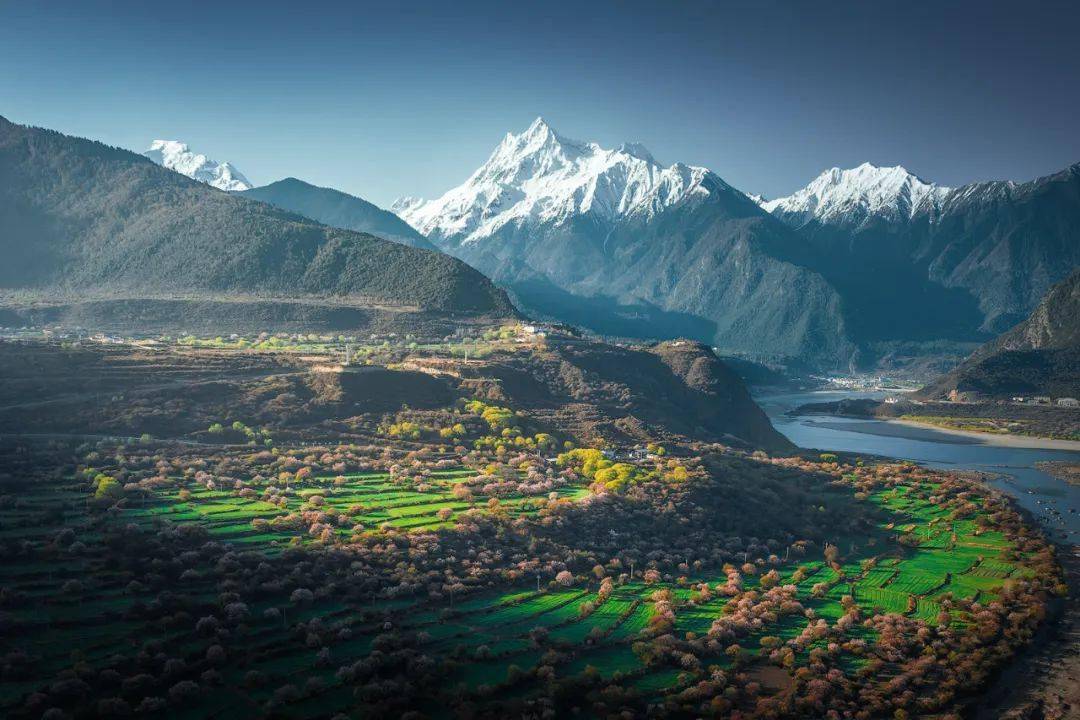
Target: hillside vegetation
point(607, 393)
point(338, 209)
point(84, 218)
point(402, 577)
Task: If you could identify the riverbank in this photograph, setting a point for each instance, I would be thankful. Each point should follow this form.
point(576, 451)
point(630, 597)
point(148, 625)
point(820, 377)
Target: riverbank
point(1043, 681)
point(988, 438)
point(1001, 425)
point(1011, 465)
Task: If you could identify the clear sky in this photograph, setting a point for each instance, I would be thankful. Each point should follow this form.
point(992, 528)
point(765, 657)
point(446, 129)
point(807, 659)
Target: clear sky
point(388, 99)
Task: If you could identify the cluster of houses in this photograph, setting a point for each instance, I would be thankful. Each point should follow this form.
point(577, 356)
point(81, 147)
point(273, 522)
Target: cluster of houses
point(1065, 402)
point(533, 331)
point(635, 454)
point(638, 453)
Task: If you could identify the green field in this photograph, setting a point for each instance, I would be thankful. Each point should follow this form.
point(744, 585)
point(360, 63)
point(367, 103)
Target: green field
point(72, 606)
point(352, 503)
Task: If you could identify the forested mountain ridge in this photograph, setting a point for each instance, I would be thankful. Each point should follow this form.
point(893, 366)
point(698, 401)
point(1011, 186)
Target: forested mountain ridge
point(82, 217)
point(338, 209)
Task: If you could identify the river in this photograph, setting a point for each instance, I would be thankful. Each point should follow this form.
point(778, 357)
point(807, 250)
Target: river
point(1055, 503)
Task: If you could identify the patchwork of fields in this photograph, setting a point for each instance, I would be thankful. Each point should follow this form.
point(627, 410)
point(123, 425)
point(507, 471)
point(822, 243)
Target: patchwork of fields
point(352, 504)
point(67, 604)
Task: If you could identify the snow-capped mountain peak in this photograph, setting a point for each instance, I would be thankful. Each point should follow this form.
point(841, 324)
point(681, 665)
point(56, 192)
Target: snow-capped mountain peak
point(404, 204)
point(851, 197)
point(177, 156)
point(539, 175)
point(637, 150)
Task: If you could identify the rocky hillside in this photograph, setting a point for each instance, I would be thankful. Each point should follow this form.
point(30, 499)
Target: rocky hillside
point(1040, 356)
point(88, 220)
point(592, 392)
point(624, 394)
point(338, 209)
point(1054, 325)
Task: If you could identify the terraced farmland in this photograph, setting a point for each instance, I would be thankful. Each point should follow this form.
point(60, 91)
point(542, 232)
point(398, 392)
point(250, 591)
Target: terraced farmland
point(953, 559)
point(350, 504)
point(303, 655)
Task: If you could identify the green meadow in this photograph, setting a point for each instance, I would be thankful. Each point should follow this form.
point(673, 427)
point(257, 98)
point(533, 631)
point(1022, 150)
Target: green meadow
point(351, 503)
point(78, 609)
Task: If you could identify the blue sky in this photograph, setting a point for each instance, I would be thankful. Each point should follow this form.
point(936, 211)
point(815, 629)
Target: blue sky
point(387, 99)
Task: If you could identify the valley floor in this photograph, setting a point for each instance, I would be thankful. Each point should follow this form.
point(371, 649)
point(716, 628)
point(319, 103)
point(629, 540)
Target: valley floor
point(551, 527)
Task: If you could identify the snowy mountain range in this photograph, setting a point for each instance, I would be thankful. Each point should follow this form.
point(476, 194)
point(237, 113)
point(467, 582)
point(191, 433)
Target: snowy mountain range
point(612, 240)
point(977, 257)
point(541, 177)
point(177, 156)
point(856, 261)
point(853, 197)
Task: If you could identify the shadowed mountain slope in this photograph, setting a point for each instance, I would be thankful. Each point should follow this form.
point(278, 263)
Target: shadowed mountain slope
point(87, 220)
point(915, 261)
point(1039, 356)
point(338, 209)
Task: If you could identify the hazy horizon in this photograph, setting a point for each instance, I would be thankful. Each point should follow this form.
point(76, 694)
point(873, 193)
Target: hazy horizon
point(384, 101)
